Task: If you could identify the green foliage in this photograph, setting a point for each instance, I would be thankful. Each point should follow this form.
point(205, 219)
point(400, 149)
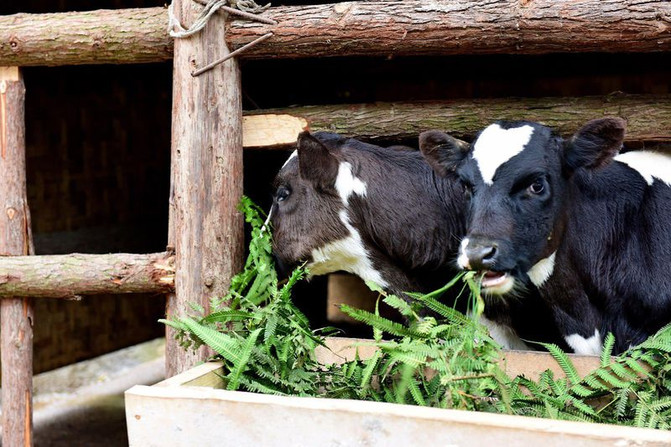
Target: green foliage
point(438, 357)
point(630, 389)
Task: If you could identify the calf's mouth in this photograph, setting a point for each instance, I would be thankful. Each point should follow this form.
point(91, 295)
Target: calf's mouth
point(496, 283)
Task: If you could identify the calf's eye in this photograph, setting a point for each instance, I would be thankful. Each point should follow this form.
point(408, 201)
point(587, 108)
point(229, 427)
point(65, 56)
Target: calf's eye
point(537, 187)
point(468, 191)
point(282, 193)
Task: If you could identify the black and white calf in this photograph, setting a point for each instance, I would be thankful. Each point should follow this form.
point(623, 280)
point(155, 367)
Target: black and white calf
point(588, 226)
point(384, 215)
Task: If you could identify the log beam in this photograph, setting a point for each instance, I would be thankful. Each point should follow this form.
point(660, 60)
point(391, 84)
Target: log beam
point(648, 118)
point(16, 313)
point(352, 29)
point(206, 228)
point(73, 275)
point(124, 36)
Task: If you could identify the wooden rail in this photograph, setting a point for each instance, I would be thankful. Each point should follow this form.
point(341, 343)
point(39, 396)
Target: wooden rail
point(73, 275)
point(384, 29)
point(648, 117)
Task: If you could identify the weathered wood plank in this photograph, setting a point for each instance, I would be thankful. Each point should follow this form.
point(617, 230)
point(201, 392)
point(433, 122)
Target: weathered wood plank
point(648, 117)
point(69, 276)
point(352, 29)
point(205, 226)
point(16, 313)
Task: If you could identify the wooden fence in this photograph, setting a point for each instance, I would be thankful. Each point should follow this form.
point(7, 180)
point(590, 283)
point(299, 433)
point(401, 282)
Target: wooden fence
point(209, 130)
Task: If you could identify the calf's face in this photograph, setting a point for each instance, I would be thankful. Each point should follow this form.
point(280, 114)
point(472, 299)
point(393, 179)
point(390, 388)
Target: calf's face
point(306, 205)
point(311, 213)
point(517, 174)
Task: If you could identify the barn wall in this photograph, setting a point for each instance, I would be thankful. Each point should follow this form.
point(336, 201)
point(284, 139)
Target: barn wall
point(98, 149)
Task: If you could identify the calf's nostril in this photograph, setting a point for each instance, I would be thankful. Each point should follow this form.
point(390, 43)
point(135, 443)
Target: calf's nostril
point(489, 253)
point(481, 256)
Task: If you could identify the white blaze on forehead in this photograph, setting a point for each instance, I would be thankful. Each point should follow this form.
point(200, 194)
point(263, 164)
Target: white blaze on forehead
point(504, 335)
point(651, 165)
point(293, 155)
point(348, 254)
point(542, 270)
point(462, 260)
point(346, 184)
point(496, 146)
point(585, 346)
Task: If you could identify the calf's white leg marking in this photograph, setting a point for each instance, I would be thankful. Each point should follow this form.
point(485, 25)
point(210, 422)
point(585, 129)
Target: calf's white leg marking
point(496, 146)
point(503, 335)
point(651, 165)
point(585, 346)
point(542, 270)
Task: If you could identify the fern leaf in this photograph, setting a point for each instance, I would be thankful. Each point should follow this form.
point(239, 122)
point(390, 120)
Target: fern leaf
point(227, 316)
point(399, 304)
point(225, 345)
point(636, 366)
point(563, 361)
point(173, 324)
point(416, 393)
point(239, 367)
point(610, 379)
point(607, 350)
point(367, 373)
point(376, 321)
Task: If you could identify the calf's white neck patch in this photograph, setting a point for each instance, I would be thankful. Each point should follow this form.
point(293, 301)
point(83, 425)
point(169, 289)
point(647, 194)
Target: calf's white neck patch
point(496, 146)
point(347, 184)
point(542, 270)
point(651, 165)
point(348, 254)
point(504, 335)
point(585, 346)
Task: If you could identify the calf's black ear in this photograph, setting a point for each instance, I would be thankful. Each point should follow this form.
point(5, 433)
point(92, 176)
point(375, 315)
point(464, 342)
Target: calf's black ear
point(443, 152)
point(595, 144)
point(316, 163)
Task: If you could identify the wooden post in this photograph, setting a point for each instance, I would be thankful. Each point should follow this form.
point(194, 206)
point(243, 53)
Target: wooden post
point(16, 313)
point(205, 227)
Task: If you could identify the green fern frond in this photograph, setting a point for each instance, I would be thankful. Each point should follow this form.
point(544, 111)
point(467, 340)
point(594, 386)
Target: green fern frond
point(563, 361)
point(241, 364)
point(225, 345)
point(607, 349)
point(376, 321)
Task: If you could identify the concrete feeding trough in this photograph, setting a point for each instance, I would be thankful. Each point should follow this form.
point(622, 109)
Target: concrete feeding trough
point(193, 409)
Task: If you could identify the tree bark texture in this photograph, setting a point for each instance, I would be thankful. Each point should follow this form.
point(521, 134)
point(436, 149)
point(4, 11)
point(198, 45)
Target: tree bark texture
point(205, 225)
point(16, 313)
point(69, 276)
point(648, 117)
point(415, 28)
point(125, 36)
point(352, 29)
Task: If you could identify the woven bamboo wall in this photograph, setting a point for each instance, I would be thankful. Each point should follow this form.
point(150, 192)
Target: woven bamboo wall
point(98, 150)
